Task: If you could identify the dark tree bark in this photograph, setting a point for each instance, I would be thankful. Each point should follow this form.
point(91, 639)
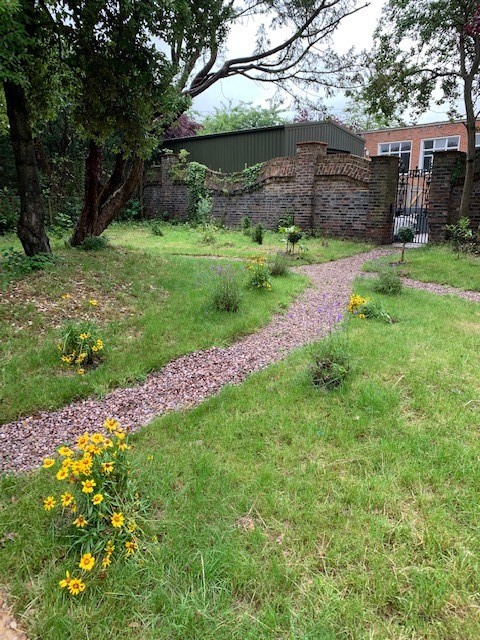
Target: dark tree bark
point(31, 225)
point(103, 203)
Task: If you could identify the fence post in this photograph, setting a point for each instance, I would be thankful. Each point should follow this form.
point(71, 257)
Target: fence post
point(305, 167)
point(382, 198)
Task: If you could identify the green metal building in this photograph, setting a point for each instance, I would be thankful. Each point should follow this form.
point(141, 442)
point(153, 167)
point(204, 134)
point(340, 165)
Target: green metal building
point(229, 152)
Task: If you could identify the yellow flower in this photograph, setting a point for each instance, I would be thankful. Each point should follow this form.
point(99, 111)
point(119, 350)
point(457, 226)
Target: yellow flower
point(48, 462)
point(87, 561)
point(66, 452)
point(95, 348)
point(120, 433)
point(97, 438)
point(123, 446)
point(81, 358)
point(111, 424)
point(76, 586)
point(149, 458)
point(82, 440)
point(66, 581)
point(76, 467)
point(66, 464)
point(93, 450)
point(93, 302)
point(49, 503)
point(67, 499)
point(106, 468)
point(362, 316)
point(107, 443)
point(132, 526)
point(131, 546)
point(73, 508)
point(117, 519)
point(81, 372)
point(80, 522)
point(66, 296)
point(106, 561)
point(110, 548)
point(97, 498)
point(84, 336)
point(88, 486)
point(99, 344)
point(62, 473)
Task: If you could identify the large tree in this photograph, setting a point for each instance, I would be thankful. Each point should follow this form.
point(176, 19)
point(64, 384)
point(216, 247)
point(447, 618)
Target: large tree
point(241, 116)
point(25, 73)
point(429, 50)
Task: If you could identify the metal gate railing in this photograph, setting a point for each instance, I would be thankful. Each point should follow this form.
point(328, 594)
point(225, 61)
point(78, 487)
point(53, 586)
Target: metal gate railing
point(411, 209)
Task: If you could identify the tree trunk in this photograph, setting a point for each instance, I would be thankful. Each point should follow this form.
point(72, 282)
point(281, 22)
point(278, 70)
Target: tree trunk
point(102, 205)
point(31, 226)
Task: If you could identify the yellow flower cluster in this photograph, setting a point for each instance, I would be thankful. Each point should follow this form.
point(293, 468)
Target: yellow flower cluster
point(260, 274)
point(355, 303)
point(96, 472)
point(79, 348)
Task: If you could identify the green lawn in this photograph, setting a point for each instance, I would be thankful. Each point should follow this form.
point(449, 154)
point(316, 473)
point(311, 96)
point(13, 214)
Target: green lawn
point(184, 240)
point(284, 513)
point(437, 263)
point(151, 309)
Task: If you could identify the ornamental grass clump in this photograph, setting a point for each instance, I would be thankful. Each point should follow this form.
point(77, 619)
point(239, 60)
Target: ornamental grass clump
point(278, 265)
point(225, 294)
point(388, 282)
point(80, 345)
point(97, 505)
point(366, 308)
point(259, 274)
point(331, 362)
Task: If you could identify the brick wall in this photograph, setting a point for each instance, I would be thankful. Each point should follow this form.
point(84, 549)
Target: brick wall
point(446, 192)
point(339, 195)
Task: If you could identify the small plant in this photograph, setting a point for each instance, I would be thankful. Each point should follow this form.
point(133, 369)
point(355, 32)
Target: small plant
point(293, 236)
point(80, 345)
point(250, 176)
point(405, 234)
point(259, 274)
point(365, 308)
point(94, 243)
point(208, 233)
point(97, 503)
point(156, 228)
point(461, 235)
point(286, 220)
point(246, 225)
point(258, 233)
point(331, 362)
point(278, 266)
point(226, 290)
point(388, 282)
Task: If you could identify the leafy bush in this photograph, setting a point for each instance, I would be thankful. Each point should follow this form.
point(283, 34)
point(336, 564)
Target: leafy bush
point(225, 294)
point(388, 282)
point(404, 235)
point(246, 225)
point(156, 228)
point(293, 236)
point(204, 210)
point(14, 264)
point(257, 233)
point(259, 274)
point(461, 235)
point(278, 266)
point(97, 506)
point(331, 362)
point(80, 345)
point(131, 211)
point(94, 243)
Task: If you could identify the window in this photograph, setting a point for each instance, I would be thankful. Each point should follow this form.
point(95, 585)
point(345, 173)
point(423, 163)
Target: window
point(436, 144)
point(477, 140)
point(402, 150)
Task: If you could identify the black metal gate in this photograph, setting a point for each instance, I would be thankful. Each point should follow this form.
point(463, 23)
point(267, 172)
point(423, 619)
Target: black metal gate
point(411, 208)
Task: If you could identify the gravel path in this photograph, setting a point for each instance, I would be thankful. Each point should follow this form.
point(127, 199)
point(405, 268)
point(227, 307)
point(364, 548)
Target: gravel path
point(442, 289)
point(190, 379)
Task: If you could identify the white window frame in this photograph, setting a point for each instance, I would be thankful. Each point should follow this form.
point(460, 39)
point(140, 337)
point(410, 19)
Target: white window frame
point(395, 155)
point(477, 140)
point(432, 151)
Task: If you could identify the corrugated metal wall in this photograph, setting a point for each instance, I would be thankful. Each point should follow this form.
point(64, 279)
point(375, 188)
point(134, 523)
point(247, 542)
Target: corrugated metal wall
point(229, 152)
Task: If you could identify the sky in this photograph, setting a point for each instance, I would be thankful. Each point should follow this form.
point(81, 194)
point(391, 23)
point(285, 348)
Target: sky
point(356, 30)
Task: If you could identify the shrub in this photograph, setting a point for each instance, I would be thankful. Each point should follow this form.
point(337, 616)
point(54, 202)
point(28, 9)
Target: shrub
point(246, 225)
point(94, 243)
point(8, 211)
point(388, 282)
point(286, 220)
point(461, 236)
point(404, 235)
point(331, 362)
point(98, 505)
point(225, 294)
point(80, 345)
point(257, 233)
point(208, 233)
point(14, 264)
point(259, 274)
point(278, 266)
point(156, 228)
point(204, 210)
point(293, 236)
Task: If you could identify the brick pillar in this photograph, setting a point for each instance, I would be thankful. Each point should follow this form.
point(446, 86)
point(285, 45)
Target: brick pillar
point(439, 206)
point(158, 188)
point(381, 199)
point(305, 166)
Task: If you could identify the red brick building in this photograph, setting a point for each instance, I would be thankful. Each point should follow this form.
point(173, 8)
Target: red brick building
point(416, 144)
